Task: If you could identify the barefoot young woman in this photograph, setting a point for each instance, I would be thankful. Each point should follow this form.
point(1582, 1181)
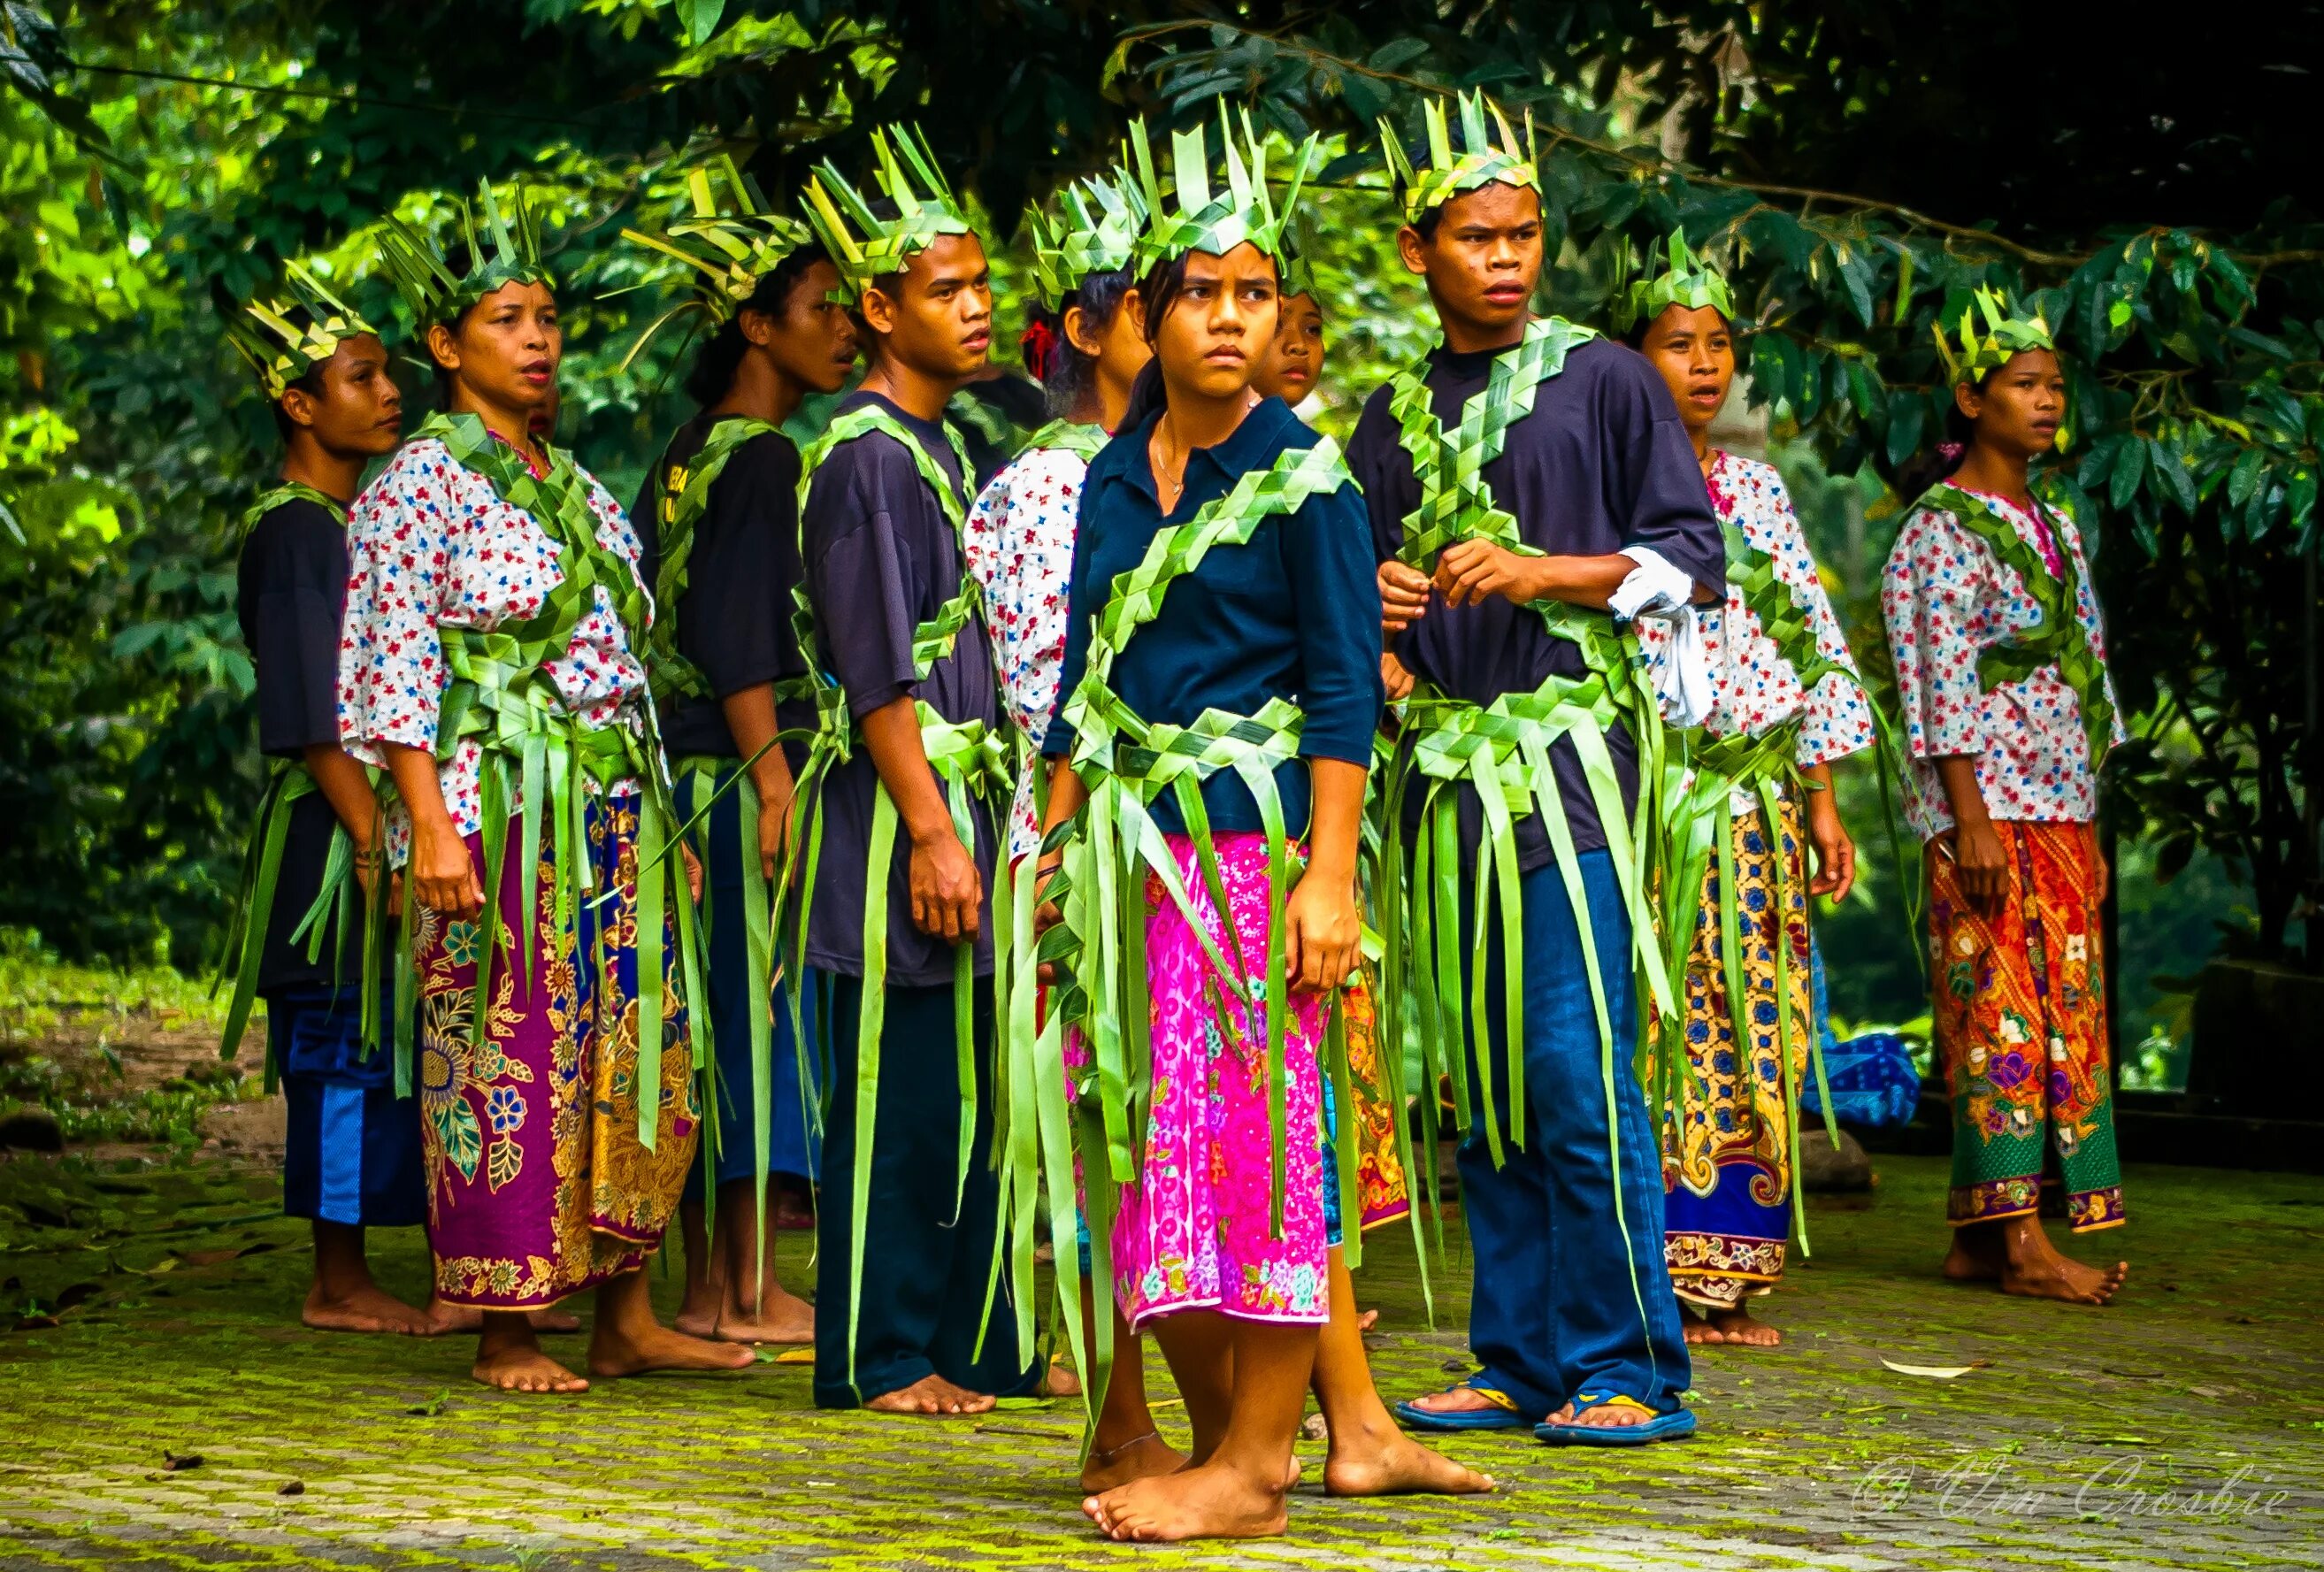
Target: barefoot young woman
point(1220, 561)
point(1784, 704)
point(719, 521)
point(909, 752)
point(494, 616)
point(1522, 481)
point(1369, 1454)
point(351, 1153)
point(2009, 709)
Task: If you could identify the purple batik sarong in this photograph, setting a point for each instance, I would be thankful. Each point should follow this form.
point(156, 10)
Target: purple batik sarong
point(538, 1186)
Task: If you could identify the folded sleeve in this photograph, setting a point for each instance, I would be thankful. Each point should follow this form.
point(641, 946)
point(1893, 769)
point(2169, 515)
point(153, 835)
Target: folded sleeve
point(1928, 595)
point(1328, 544)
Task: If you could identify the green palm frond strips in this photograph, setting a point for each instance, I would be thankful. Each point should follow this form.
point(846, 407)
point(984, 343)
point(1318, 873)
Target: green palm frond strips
point(338, 905)
point(503, 246)
point(1095, 231)
point(2006, 333)
point(976, 767)
point(1480, 161)
point(1502, 749)
point(1685, 279)
point(866, 245)
point(1193, 213)
point(729, 250)
point(285, 338)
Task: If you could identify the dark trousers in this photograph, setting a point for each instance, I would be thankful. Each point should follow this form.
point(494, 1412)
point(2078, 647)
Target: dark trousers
point(1568, 1303)
point(351, 1151)
point(924, 1273)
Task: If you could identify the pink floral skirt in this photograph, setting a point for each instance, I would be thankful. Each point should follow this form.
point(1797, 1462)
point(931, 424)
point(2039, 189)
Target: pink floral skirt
point(1194, 1231)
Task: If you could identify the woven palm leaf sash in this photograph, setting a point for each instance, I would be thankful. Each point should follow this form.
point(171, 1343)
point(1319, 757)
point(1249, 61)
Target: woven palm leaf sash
point(672, 675)
point(2060, 639)
point(972, 761)
point(539, 757)
point(337, 903)
point(1110, 849)
point(1082, 436)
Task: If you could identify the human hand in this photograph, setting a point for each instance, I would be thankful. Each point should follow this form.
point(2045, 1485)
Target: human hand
point(1404, 595)
point(693, 872)
point(1395, 679)
point(1835, 852)
point(774, 829)
point(1982, 862)
point(1469, 570)
point(1322, 934)
point(946, 887)
point(442, 871)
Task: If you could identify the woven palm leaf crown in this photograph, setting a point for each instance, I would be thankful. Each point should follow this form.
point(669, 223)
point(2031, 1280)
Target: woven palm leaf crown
point(1194, 215)
point(1095, 231)
point(1685, 279)
point(2006, 333)
point(731, 251)
point(504, 249)
point(863, 243)
point(285, 338)
point(1480, 162)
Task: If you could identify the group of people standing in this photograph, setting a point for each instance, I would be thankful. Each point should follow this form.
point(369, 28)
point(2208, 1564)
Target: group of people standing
point(1141, 843)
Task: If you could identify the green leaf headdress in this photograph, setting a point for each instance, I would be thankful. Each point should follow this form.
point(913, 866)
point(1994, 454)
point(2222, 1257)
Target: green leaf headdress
point(1095, 231)
point(866, 245)
point(1197, 215)
point(286, 338)
point(1685, 279)
point(729, 252)
point(504, 249)
point(2005, 333)
point(1480, 162)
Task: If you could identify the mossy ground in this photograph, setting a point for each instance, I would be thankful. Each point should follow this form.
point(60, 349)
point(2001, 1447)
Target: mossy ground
point(157, 1315)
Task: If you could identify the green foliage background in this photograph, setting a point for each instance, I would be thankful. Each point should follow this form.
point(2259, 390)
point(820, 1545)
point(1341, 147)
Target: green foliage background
point(1857, 168)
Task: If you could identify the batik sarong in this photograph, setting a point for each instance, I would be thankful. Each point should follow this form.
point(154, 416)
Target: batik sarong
point(2021, 1029)
point(538, 1185)
point(1727, 1157)
point(1383, 1193)
point(1194, 1230)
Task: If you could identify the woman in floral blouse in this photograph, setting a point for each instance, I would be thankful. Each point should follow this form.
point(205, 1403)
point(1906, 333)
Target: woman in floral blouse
point(2001, 672)
point(488, 661)
point(1785, 701)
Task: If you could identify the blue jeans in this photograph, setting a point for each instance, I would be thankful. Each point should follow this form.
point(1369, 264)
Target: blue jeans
point(1567, 1301)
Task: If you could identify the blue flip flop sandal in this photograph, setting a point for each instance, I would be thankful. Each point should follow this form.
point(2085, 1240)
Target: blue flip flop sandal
point(1502, 1416)
point(1662, 1427)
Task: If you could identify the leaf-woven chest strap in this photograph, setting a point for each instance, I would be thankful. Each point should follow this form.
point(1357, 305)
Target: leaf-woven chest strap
point(1455, 501)
point(1080, 436)
point(2062, 640)
point(1784, 616)
point(671, 672)
point(293, 492)
point(932, 640)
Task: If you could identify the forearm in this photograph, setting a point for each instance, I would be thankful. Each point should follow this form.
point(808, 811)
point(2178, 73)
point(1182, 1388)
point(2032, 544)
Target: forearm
point(1066, 794)
point(751, 717)
point(892, 734)
point(1578, 581)
point(1820, 803)
point(346, 786)
point(1335, 820)
point(413, 770)
point(1956, 772)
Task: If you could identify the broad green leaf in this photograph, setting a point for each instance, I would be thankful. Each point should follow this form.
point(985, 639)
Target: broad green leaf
point(2129, 470)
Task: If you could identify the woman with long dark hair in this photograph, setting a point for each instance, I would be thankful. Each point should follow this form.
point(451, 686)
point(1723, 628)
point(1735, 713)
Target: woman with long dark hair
point(490, 662)
point(719, 518)
point(2009, 711)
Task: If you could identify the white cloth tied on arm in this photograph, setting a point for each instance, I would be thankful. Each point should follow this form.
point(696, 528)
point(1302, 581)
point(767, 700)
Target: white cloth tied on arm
point(1654, 588)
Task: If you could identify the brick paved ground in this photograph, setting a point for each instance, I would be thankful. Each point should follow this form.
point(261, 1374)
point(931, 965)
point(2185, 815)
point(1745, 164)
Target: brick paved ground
point(2184, 1427)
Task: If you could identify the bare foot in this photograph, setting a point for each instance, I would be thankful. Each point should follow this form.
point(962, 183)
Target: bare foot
point(1611, 1415)
point(368, 1309)
point(1210, 1502)
point(2049, 1275)
point(651, 1348)
point(1143, 1458)
point(931, 1394)
point(1387, 1462)
point(522, 1367)
point(781, 1317)
point(1365, 1321)
point(1736, 1328)
point(453, 1320)
point(1059, 1381)
point(1975, 1257)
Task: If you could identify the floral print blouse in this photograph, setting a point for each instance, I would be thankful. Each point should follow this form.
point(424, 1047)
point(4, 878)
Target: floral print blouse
point(1018, 541)
point(1946, 598)
point(431, 545)
point(1754, 688)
